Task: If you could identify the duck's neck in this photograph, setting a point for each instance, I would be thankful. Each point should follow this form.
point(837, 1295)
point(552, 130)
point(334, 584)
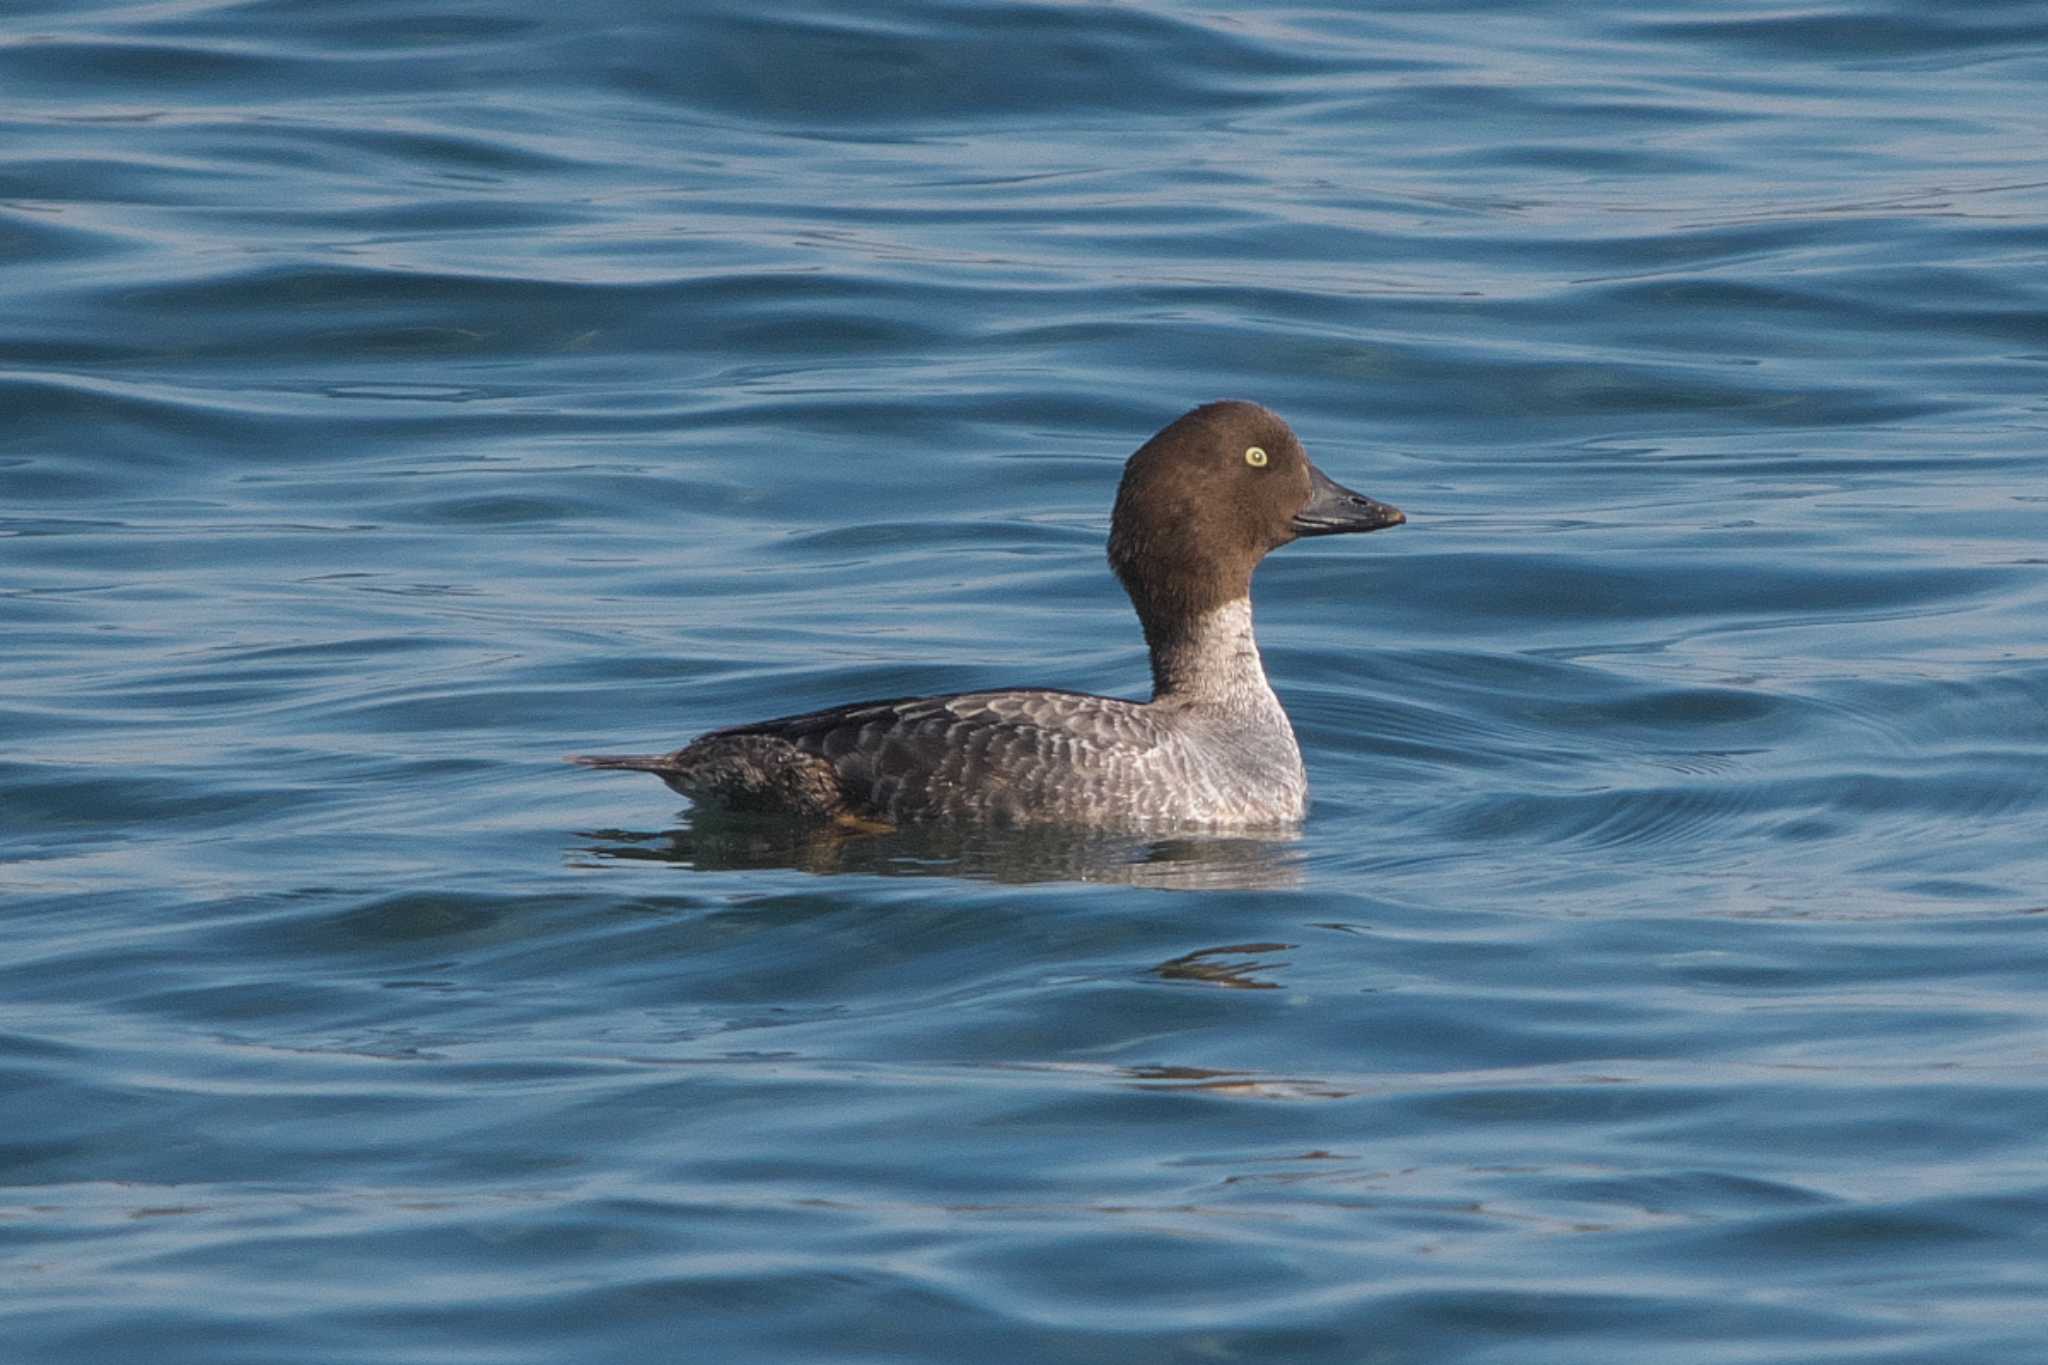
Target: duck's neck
point(1211, 661)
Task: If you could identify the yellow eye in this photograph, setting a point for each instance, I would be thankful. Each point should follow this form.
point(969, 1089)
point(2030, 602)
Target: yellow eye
point(1255, 457)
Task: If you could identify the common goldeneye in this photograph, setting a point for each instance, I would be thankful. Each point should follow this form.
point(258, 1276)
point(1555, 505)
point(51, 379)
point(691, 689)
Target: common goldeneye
point(1200, 505)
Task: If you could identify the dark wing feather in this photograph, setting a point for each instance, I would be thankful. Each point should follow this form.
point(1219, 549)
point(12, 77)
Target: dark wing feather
point(1025, 756)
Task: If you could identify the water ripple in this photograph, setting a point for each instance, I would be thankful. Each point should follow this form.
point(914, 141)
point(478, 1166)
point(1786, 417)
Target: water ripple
point(395, 397)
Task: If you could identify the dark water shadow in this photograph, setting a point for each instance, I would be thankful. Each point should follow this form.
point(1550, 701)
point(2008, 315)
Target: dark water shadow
point(1180, 862)
point(1237, 966)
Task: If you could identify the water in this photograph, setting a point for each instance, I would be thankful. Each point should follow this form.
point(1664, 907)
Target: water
point(395, 397)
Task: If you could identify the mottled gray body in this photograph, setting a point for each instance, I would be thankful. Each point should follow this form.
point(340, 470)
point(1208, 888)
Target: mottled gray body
point(1214, 750)
point(1200, 505)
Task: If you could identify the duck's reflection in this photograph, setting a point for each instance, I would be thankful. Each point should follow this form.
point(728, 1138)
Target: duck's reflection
point(723, 843)
point(1232, 966)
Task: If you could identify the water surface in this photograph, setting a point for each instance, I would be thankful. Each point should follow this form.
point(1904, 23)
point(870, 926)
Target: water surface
point(396, 397)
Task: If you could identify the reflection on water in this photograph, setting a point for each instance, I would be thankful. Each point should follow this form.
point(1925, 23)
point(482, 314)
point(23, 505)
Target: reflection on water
point(711, 842)
point(1223, 967)
point(1234, 1084)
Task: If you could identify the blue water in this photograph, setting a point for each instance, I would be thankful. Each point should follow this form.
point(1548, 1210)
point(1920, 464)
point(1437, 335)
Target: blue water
point(396, 396)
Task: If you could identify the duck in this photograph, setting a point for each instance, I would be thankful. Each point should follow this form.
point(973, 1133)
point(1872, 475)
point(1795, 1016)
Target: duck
point(1199, 506)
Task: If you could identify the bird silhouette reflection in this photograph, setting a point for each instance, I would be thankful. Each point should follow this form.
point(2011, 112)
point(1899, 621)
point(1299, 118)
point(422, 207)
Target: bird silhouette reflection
point(718, 842)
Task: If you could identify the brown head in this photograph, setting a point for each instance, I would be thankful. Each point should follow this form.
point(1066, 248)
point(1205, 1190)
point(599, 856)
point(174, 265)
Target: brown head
point(1204, 501)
